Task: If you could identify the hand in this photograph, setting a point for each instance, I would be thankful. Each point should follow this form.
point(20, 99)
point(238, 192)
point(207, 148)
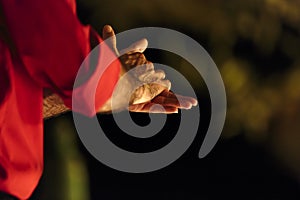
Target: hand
point(154, 90)
point(141, 82)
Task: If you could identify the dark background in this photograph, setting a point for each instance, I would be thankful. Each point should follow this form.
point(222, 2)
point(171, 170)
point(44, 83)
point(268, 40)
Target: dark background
point(255, 45)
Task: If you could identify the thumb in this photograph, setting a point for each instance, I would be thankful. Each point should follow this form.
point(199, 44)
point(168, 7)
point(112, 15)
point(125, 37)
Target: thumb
point(108, 34)
point(137, 47)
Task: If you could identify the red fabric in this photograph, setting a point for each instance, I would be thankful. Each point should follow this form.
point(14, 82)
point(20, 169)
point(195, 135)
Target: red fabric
point(51, 45)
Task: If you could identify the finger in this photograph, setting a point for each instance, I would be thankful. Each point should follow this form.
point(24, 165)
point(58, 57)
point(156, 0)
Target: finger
point(139, 46)
point(192, 100)
point(108, 34)
point(139, 71)
point(152, 76)
point(164, 84)
point(156, 108)
point(152, 108)
point(171, 99)
point(174, 102)
point(170, 94)
point(132, 60)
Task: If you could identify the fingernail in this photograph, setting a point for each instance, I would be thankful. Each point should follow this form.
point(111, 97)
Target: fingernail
point(186, 105)
point(195, 102)
point(108, 28)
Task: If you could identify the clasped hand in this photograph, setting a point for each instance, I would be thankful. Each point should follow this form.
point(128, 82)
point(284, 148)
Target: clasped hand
point(140, 86)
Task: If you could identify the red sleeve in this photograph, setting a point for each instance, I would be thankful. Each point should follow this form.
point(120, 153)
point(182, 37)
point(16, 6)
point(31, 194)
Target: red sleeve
point(52, 45)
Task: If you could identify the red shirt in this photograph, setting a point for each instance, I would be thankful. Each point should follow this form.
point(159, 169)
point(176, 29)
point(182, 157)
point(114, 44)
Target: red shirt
point(50, 44)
